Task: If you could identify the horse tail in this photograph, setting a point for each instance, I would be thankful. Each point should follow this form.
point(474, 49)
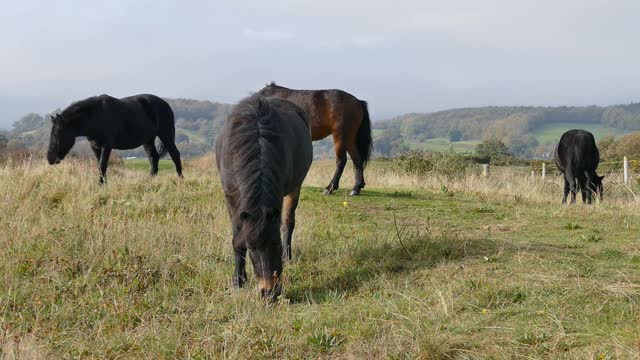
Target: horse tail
point(364, 141)
point(162, 148)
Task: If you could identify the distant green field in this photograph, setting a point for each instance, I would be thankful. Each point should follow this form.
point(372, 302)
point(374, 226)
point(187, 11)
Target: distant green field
point(143, 164)
point(552, 132)
point(443, 144)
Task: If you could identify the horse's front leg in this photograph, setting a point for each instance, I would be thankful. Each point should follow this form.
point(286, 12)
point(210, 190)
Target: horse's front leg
point(240, 273)
point(104, 161)
point(288, 222)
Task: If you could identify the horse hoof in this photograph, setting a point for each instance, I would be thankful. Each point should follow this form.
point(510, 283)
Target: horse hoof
point(327, 192)
point(354, 193)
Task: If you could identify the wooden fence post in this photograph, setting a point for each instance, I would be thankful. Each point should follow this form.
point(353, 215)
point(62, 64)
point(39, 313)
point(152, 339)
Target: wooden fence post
point(625, 166)
point(544, 170)
point(485, 170)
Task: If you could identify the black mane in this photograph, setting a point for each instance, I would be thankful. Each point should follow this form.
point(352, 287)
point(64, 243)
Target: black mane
point(79, 109)
point(253, 140)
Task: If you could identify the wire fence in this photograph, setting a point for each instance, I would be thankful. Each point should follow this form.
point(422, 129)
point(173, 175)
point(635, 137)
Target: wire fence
point(628, 168)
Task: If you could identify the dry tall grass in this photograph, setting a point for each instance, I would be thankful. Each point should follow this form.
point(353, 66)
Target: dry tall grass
point(414, 268)
point(503, 182)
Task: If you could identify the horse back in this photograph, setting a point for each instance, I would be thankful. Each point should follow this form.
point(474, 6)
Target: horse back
point(329, 111)
point(577, 151)
point(129, 122)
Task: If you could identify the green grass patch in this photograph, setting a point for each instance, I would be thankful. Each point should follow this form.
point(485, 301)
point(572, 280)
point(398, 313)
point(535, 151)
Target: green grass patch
point(143, 164)
point(552, 132)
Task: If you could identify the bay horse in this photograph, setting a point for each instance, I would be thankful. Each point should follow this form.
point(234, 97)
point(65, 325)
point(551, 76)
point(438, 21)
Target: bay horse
point(263, 154)
point(577, 157)
point(338, 113)
point(110, 123)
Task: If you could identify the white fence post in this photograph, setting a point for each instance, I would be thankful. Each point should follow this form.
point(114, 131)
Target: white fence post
point(485, 170)
point(533, 174)
point(625, 166)
point(544, 170)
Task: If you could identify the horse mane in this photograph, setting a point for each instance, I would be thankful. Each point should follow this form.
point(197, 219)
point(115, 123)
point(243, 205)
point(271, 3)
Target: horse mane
point(253, 143)
point(79, 109)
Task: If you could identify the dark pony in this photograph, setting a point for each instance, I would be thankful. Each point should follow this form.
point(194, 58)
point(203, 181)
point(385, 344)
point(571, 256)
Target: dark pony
point(110, 123)
point(263, 153)
point(577, 157)
point(338, 113)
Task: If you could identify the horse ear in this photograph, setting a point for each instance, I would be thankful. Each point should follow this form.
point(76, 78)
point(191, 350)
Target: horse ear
point(54, 118)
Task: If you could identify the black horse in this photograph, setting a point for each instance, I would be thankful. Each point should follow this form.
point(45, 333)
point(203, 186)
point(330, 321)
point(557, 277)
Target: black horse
point(577, 157)
point(263, 154)
point(110, 123)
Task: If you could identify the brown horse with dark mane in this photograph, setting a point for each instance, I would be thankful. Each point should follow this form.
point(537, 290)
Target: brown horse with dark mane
point(263, 154)
point(338, 113)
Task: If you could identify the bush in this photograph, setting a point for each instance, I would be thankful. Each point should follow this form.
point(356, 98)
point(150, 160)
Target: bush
point(448, 164)
point(628, 145)
point(494, 151)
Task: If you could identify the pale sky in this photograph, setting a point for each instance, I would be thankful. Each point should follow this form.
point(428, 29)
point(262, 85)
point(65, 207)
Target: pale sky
point(400, 56)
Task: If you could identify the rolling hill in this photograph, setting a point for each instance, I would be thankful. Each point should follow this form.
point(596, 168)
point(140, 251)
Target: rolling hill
point(528, 131)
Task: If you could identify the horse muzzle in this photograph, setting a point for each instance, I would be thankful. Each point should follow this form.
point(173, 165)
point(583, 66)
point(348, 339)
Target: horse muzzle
point(270, 287)
point(54, 161)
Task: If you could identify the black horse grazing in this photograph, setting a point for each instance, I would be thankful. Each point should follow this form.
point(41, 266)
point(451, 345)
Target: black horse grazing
point(338, 113)
point(263, 154)
point(577, 157)
point(110, 123)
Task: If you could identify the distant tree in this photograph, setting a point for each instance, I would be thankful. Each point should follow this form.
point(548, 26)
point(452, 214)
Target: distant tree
point(3, 141)
point(455, 135)
point(493, 150)
point(390, 142)
point(29, 122)
point(523, 146)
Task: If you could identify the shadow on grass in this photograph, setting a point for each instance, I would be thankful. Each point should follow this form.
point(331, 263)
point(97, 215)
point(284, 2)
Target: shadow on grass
point(368, 194)
point(415, 253)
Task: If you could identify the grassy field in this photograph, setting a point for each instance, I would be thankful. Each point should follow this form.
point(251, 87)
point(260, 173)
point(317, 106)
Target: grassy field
point(552, 132)
point(432, 268)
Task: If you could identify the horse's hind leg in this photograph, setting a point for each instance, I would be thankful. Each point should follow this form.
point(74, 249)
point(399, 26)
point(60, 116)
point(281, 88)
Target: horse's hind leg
point(341, 161)
point(573, 186)
point(288, 222)
point(567, 189)
point(97, 151)
point(585, 189)
point(175, 156)
point(154, 157)
point(358, 165)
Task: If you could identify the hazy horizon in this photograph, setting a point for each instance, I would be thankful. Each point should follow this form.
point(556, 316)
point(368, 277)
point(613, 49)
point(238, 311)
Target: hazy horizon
point(409, 56)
